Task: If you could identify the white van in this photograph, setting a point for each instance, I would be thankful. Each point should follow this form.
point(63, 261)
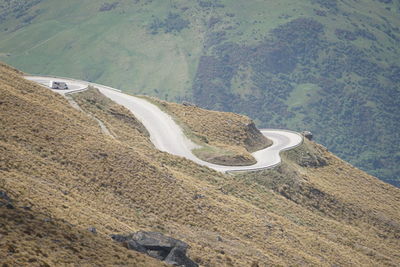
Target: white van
point(58, 85)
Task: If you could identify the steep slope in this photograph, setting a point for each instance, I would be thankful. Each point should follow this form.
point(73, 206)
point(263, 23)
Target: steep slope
point(29, 238)
point(37, 172)
point(326, 66)
point(314, 210)
point(225, 138)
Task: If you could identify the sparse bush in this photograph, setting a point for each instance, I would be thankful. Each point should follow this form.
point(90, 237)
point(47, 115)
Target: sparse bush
point(108, 6)
point(174, 23)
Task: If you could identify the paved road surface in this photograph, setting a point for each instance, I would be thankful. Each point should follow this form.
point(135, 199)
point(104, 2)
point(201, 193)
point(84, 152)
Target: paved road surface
point(167, 136)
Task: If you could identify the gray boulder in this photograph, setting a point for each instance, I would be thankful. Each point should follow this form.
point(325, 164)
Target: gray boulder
point(155, 240)
point(159, 246)
point(307, 134)
point(178, 257)
point(133, 245)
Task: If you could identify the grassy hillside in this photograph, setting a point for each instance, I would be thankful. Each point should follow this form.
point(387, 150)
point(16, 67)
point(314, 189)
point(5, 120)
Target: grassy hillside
point(314, 210)
point(326, 66)
point(225, 138)
point(30, 238)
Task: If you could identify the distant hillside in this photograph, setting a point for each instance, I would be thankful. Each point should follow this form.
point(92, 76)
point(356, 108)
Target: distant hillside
point(331, 67)
point(64, 175)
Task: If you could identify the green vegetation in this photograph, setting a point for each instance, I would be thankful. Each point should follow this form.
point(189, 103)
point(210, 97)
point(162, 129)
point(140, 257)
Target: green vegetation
point(331, 67)
point(173, 23)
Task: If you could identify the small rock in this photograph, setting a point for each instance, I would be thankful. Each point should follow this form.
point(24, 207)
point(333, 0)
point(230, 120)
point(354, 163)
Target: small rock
point(120, 238)
point(219, 238)
point(92, 230)
point(188, 104)
point(3, 195)
point(10, 206)
point(269, 225)
point(198, 196)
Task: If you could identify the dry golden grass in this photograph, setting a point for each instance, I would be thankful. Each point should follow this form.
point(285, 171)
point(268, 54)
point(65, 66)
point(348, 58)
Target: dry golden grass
point(57, 160)
point(28, 238)
point(227, 138)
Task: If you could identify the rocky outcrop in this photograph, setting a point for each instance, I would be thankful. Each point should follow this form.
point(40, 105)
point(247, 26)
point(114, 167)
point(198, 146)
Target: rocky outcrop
point(171, 251)
point(255, 139)
point(307, 134)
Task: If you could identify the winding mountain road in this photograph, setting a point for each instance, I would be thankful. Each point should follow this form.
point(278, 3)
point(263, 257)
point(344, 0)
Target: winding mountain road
point(167, 136)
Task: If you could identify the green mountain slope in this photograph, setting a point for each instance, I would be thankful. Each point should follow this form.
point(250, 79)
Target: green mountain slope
point(331, 67)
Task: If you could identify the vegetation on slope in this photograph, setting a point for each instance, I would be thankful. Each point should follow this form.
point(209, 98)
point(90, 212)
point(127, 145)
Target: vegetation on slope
point(30, 238)
point(225, 138)
point(326, 66)
point(56, 160)
point(329, 68)
point(94, 103)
